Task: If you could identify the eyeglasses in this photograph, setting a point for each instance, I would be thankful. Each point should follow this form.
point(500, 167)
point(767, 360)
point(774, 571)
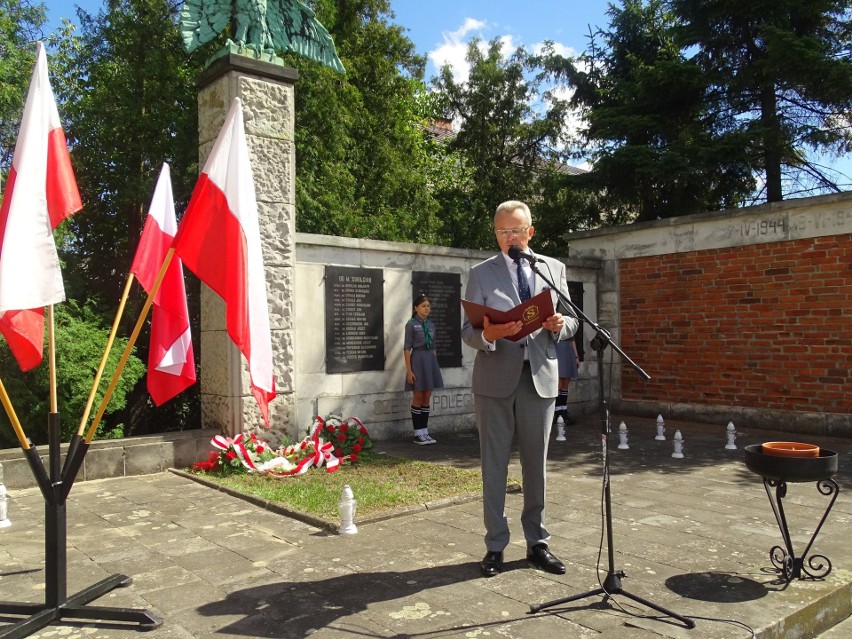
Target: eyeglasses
point(507, 232)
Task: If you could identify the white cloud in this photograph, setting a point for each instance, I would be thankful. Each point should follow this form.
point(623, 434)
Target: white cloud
point(453, 49)
point(470, 24)
point(507, 42)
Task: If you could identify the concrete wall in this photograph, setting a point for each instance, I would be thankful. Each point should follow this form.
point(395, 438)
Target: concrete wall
point(742, 315)
point(378, 397)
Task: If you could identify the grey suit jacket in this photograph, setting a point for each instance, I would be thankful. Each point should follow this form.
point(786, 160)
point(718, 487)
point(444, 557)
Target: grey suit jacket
point(496, 373)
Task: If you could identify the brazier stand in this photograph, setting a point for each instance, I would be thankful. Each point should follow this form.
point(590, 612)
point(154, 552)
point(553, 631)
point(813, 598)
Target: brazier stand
point(777, 471)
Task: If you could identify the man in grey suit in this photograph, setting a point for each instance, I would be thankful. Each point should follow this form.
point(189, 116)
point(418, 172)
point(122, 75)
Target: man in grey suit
point(515, 384)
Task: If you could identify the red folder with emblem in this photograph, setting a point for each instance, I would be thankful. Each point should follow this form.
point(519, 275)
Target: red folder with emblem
point(532, 313)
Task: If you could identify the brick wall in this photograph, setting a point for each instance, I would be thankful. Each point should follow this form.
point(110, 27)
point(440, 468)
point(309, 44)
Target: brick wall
point(763, 325)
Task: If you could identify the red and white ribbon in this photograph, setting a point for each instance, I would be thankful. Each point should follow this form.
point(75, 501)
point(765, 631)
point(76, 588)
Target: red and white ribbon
point(321, 455)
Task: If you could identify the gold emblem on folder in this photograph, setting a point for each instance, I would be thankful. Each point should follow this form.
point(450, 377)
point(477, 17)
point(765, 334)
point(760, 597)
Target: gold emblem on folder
point(530, 314)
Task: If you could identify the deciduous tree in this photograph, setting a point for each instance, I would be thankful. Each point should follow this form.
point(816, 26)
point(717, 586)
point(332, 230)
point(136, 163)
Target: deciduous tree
point(81, 336)
point(360, 152)
point(510, 134)
point(21, 23)
point(127, 88)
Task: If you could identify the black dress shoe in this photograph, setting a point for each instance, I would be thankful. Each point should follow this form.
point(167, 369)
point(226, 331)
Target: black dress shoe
point(542, 558)
point(492, 564)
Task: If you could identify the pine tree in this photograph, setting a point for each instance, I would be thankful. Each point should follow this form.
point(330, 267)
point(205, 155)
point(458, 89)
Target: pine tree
point(780, 73)
point(657, 149)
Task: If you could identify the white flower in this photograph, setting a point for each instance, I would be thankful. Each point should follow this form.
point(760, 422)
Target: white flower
point(280, 464)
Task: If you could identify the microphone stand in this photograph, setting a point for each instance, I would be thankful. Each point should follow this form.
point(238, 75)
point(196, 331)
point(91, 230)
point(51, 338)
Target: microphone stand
point(612, 584)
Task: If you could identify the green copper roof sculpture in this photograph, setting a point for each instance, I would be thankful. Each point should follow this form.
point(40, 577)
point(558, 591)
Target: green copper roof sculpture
point(260, 28)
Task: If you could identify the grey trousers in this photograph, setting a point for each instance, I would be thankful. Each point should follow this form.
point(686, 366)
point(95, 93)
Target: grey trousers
point(529, 416)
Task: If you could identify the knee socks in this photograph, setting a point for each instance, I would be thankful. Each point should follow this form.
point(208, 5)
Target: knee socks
point(420, 419)
point(415, 419)
point(561, 406)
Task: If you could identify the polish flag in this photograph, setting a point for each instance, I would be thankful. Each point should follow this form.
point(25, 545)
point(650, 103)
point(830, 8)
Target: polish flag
point(40, 193)
point(171, 363)
point(219, 240)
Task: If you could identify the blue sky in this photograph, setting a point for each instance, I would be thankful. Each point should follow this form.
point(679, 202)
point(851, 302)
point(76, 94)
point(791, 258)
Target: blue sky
point(441, 29)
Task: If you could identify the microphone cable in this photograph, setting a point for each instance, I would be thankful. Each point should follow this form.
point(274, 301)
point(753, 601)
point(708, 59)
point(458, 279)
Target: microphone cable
point(559, 301)
point(606, 477)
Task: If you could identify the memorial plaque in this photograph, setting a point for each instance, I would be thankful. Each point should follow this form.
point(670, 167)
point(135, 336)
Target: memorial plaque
point(575, 291)
point(444, 292)
point(354, 320)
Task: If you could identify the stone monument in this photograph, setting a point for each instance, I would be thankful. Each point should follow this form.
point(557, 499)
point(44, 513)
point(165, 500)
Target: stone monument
point(248, 68)
point(266, 92)
point(260, 29)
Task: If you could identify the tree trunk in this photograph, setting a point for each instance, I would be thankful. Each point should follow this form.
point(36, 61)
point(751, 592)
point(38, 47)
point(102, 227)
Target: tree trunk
point(772, 152)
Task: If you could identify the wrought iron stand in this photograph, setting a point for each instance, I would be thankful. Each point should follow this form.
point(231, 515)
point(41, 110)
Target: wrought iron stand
point(806, 566)
point(58, 605)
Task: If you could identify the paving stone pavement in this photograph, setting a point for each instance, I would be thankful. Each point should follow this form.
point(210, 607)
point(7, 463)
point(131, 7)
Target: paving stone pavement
point(692, 535)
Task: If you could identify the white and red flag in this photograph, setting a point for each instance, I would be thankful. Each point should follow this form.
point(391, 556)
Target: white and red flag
point(40, 193)
point(171, 363)
point(219, 240)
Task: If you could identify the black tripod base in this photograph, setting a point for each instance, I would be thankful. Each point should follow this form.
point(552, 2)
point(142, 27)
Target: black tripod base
point(74, 607)
point(612, 586)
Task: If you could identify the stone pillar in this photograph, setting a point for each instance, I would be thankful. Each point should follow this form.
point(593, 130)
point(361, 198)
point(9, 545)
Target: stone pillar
point(267, 94)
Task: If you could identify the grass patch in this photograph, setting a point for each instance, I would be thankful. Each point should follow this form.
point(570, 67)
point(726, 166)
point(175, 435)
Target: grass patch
point(381, 485)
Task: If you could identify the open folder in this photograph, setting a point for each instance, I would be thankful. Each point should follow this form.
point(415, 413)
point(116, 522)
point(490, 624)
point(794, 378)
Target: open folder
point(532, 313)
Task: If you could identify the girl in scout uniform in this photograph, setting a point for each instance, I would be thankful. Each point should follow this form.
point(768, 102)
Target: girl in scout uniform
point(422, 373)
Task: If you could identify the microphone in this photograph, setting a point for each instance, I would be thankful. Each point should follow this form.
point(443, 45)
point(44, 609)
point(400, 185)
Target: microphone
point(516, 254)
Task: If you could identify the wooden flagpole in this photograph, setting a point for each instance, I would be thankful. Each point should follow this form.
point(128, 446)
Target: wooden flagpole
point(13, 417)
point(130, 343)
point(97, 381)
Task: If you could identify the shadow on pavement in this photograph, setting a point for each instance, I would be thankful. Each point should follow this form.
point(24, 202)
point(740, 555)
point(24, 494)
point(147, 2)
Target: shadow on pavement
point(718, 587)
point(263, 610)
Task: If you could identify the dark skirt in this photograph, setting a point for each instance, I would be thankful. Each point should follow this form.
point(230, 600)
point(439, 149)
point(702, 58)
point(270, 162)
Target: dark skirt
point(567, 359)
point(427, 373)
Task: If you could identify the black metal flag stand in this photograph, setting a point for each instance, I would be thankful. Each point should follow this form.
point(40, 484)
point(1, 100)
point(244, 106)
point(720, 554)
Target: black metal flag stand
point(58, 604)
point(612, 583)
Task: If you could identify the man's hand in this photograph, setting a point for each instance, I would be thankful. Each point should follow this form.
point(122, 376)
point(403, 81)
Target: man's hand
point(493, 332)
point(554, 323)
